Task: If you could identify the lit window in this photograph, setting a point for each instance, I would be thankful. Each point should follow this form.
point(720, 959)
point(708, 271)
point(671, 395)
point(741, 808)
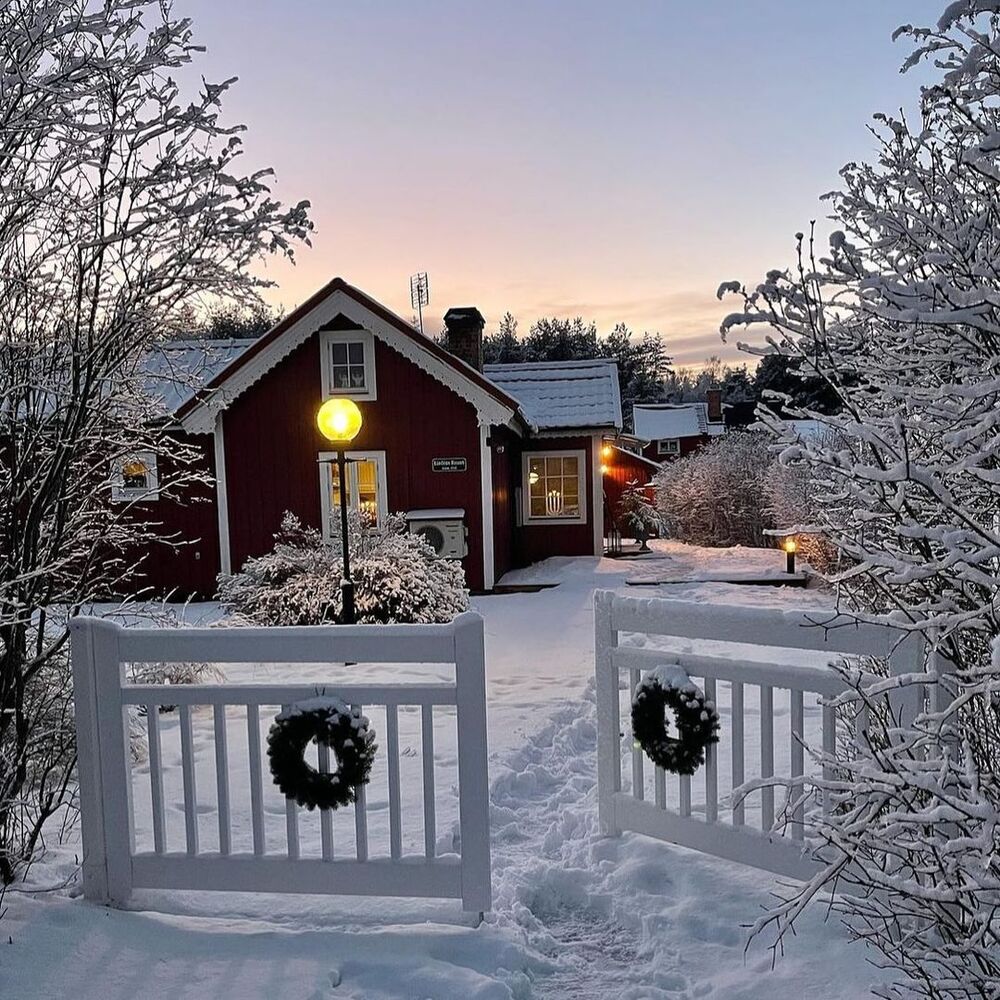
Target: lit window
point(135, 478)
point(554, 486)
point(668, 446)
point(366, 492)
point(348, 364)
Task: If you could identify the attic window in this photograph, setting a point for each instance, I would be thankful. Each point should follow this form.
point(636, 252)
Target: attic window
point(348, 364)
point(135, 478)
point(668, 446)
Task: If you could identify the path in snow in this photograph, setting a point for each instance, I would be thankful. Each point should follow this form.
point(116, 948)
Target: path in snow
point(576, 916)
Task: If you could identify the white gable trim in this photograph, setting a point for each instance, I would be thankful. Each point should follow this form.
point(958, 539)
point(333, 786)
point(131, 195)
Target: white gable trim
point(201, 419)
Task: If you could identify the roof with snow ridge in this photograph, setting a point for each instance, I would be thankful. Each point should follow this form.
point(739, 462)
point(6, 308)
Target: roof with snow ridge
point(558, 395)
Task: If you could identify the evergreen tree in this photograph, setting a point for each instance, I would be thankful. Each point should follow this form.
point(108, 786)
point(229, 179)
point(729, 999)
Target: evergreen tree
point(503, 347)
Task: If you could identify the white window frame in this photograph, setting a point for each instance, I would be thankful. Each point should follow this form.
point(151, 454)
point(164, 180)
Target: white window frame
point(122, 493)
point(364, 337)
point(668, 446)
point(328, 467)
point(581, 456)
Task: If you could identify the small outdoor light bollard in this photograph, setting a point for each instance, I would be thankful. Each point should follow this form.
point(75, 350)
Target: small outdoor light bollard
point(339, 421)
point(789, 546)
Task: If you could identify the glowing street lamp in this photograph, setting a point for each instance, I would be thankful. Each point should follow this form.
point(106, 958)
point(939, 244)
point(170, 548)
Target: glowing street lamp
point(789, 546)
point(339, 421)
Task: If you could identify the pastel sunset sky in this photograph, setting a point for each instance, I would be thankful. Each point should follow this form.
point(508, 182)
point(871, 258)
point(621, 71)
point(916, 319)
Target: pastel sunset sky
point(613, 160)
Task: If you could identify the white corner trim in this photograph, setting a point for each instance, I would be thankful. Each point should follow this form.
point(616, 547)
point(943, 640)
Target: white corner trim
point(486, 486)
point(489, 409)
point(222, 497)
point(597, 443)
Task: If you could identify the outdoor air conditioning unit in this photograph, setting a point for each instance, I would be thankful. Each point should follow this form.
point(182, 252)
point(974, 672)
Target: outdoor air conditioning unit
point(444, 530)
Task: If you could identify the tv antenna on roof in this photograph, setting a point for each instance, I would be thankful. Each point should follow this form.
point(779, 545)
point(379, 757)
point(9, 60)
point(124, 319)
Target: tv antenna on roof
point(420, 295)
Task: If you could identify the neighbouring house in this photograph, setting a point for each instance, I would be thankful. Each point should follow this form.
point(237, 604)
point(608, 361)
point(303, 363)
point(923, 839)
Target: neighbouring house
point(670, 430)
point(499, 467)
point(621, 466)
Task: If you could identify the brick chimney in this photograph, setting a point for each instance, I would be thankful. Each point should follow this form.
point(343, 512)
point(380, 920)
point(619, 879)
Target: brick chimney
point(464, 326)
point(714, 399)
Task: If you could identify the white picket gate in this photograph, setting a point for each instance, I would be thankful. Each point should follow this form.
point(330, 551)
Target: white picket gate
point(712, 821)
point(112, 866)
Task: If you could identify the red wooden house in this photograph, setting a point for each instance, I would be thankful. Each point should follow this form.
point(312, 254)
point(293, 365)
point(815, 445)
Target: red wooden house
point(670, 430)
point(503, 463)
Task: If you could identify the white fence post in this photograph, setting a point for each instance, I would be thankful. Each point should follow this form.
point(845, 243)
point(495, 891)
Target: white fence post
point(906, 658)
point(95, 848)
point(609, 768)
point(116, 783)
point(473, 762)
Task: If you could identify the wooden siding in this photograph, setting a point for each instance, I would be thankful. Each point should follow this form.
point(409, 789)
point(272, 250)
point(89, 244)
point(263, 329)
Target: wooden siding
point(540, 540)
point(272, 446)
point(506, 458)
point(688, 446)
point(623, 468)
point(188, 567)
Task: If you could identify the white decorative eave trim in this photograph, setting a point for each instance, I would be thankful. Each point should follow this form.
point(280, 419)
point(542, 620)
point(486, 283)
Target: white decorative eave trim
point(489, 410)
point(549, 432)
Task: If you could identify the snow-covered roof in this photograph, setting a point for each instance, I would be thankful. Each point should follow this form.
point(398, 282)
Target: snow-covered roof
point(656, 421)
point(175, 370)
point(562, 394)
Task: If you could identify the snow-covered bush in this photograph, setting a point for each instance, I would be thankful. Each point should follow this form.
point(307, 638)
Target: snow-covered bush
point(901, 319)
point(397, 578)
point(716, 496)
point(636, 515)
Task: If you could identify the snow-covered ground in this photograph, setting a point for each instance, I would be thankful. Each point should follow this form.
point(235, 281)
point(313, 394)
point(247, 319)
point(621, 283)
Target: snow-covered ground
point(575, 915)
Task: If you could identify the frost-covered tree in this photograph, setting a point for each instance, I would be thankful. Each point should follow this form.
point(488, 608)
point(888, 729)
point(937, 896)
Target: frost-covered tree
point(121, 201)
point(901, 320)
point(397, 578)
point(715, 496)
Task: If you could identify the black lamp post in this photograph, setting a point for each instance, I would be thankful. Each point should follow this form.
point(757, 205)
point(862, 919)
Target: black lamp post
point(339, 421)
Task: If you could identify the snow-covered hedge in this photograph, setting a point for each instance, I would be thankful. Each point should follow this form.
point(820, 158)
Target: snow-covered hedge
point(716, 496)
point(397, 578)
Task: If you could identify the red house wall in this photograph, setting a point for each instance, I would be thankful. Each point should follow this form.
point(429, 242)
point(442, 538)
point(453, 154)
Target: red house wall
point(272, 445)
point(189, 568)
point(688, 445)
point(506, 458)
point(623, 467)
point(540, 540)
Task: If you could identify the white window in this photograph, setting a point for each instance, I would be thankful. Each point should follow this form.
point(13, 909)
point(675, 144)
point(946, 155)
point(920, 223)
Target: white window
point(668, 446)
point(366, 489)
point(554, 486)
point(134, 477)
point(348, 363)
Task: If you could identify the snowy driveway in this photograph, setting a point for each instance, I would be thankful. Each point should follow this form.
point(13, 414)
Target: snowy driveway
point(576, 916)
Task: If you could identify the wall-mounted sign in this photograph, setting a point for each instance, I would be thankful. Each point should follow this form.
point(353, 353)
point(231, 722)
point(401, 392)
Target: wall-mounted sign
point(449, 465)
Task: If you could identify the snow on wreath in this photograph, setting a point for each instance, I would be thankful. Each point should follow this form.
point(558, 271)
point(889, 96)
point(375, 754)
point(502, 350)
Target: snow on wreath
point(332, 724)
point(695, 716)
